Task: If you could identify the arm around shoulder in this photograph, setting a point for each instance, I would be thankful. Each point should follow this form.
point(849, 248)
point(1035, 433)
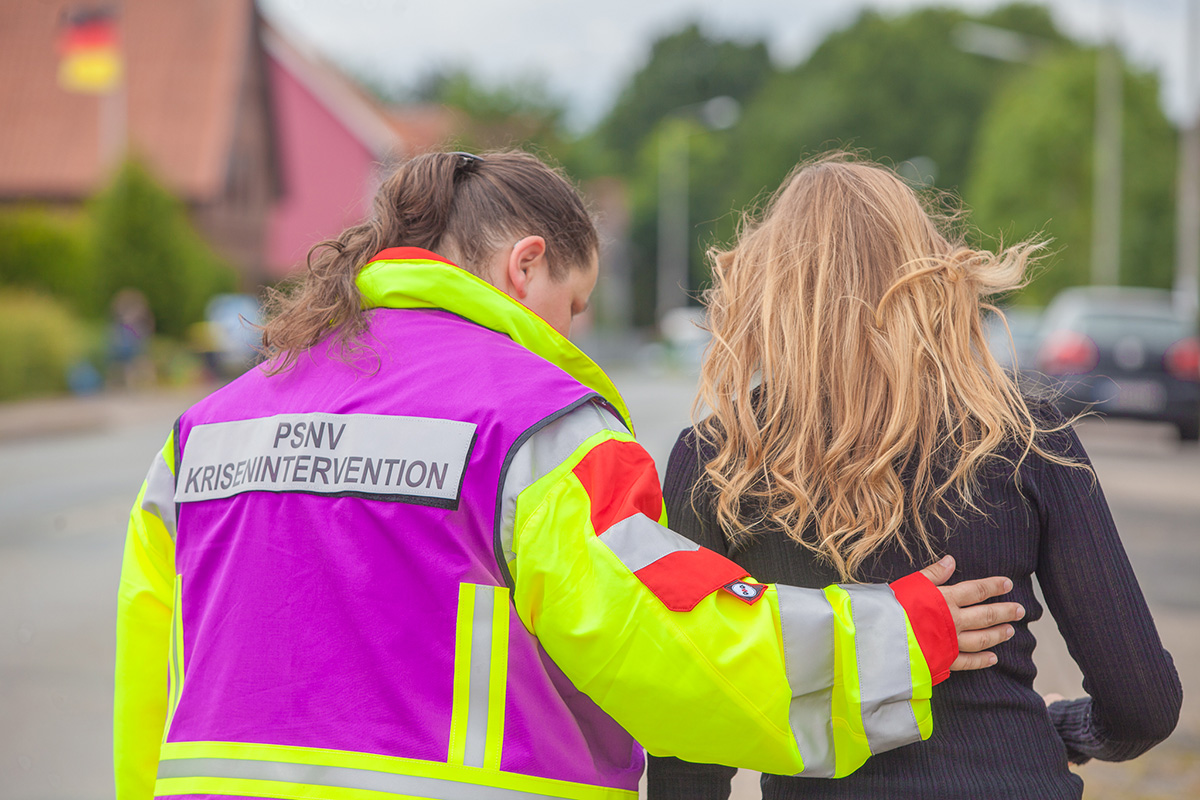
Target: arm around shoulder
point(657, 631)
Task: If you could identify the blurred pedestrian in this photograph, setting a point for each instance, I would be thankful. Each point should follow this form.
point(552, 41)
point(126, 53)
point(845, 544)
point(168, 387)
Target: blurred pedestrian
point(202, 341)
point(130, 334)
point(418, 551)
point(859, 425)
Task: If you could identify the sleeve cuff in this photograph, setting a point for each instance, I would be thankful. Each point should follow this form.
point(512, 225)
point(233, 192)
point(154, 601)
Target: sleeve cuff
point(931, 622)
point(1072, 720)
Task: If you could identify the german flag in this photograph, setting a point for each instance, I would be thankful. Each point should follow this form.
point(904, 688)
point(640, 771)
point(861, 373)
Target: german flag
point(89, 51)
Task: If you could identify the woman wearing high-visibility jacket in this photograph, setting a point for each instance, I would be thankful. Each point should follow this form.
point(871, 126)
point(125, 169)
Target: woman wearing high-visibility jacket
point(419, 553)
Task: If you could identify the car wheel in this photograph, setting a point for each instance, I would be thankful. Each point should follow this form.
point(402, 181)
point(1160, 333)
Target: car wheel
point(1189, 431)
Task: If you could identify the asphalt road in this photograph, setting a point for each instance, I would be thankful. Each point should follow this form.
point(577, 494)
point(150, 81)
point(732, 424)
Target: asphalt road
point(65, 491)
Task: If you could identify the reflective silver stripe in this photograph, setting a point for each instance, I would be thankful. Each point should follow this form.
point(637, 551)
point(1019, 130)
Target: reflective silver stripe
point(545, 450)
point(176, 637)
point(340, 777)
point(884, 672)
point(480, 675)
point(176, 671)
point(159, 498)
point(640, 541)
point(806, 619)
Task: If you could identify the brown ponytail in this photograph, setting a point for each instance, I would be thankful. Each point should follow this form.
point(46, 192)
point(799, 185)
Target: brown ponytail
point(461, 206)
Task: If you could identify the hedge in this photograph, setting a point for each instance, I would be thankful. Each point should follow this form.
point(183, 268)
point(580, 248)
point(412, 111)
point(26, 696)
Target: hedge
point(48, 252)
point(42, 341)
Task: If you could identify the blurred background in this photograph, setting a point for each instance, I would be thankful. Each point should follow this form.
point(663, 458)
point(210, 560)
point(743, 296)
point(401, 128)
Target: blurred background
point(162, 163)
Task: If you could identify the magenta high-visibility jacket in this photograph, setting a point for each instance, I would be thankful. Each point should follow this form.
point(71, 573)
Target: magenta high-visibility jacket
point(436, 568)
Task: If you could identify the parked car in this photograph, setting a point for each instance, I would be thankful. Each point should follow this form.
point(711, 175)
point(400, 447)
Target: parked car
point(1123, 352)
point(1015, 347)
point(233, 336)
point(685, 336)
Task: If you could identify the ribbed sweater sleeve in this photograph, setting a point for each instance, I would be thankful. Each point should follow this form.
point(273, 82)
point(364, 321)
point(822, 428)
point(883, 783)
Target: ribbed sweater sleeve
point(683, 492)
point(1090, 588)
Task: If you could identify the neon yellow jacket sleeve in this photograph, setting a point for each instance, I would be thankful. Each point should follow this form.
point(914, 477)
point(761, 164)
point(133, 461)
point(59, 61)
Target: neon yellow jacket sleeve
point(145, 603)
point(674, 641)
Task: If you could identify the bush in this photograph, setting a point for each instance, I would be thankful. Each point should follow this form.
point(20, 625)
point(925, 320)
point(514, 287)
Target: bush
point(48, 253)
point(42, 341)
point(143, 240)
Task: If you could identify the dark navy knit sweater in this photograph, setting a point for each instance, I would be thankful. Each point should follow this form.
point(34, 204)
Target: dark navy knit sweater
point(992, 734)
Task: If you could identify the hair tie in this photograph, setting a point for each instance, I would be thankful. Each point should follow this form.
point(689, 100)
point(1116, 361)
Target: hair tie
point(466, 163)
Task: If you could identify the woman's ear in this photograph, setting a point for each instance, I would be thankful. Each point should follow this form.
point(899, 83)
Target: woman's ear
point(525, 264)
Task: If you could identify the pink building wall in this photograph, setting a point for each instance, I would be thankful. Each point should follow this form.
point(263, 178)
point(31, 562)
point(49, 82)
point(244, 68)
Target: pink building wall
point(328, 174)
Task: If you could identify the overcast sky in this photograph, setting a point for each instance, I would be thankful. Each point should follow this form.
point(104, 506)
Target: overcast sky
point(584, 52)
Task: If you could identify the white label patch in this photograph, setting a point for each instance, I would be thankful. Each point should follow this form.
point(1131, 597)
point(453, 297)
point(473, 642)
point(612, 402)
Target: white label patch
point(747, 592)
point(413, 459)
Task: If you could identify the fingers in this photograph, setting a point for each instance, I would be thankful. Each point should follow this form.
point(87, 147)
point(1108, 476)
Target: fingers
point(968, 593)
point(940, 572)
point(980, 625)
point(968, 661)
point(987, 615)
point(978, 641)
point(973, 640)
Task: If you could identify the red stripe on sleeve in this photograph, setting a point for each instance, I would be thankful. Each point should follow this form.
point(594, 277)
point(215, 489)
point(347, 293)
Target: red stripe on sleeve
point(684, 578)
point(620, 480)
point(931, 622)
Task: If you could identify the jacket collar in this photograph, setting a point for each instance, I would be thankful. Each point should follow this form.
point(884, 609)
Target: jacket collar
point(409, 277)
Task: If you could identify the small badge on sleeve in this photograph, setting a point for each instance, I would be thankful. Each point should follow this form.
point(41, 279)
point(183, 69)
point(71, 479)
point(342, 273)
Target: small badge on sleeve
point(748, 593)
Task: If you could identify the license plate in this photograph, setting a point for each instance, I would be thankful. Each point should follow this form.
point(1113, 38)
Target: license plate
point(1144, 397)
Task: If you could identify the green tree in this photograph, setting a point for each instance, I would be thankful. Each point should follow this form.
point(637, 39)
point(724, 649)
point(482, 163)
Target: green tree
point(48, 252)
point(143, 240)
point(42, 341)
point(661, 101)
point(897, 87)
point(1033, 164)
point(684, 68)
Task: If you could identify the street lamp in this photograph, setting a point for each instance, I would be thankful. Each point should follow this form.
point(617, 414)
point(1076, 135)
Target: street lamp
point(1108, 161)
point(717, 113)
point(1187, 204)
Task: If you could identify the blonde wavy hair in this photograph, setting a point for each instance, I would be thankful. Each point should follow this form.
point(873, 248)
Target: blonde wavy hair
point(851, 391)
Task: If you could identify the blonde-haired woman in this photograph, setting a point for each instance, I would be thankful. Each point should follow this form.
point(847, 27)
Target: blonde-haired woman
point(859, 426)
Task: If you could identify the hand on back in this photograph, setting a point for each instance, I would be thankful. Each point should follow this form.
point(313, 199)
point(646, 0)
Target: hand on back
point(980, 625)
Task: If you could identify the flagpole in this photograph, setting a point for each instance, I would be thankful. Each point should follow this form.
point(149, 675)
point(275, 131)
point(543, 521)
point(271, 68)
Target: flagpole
point(114, 107)
point(90, 63)
point(112, 129)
